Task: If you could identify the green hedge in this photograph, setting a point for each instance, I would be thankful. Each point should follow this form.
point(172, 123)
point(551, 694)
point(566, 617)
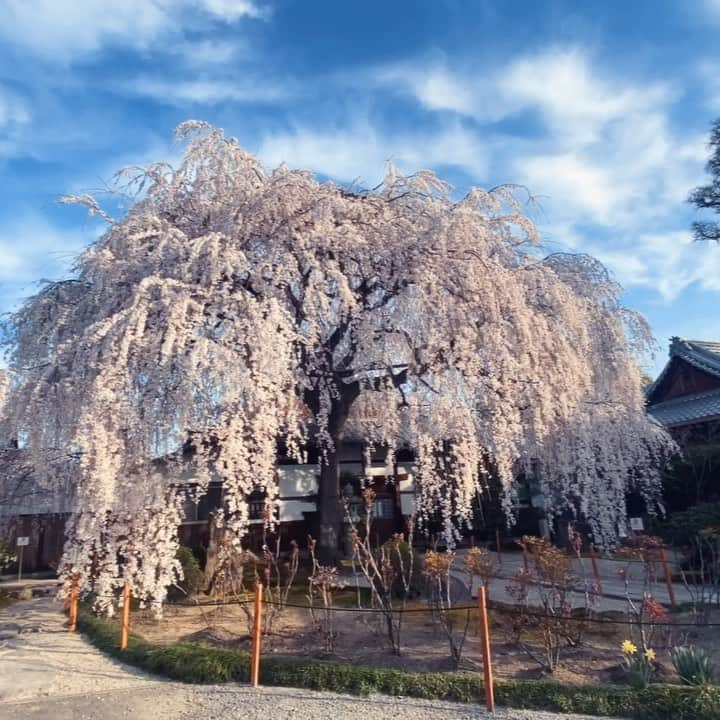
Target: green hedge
point(195, 663)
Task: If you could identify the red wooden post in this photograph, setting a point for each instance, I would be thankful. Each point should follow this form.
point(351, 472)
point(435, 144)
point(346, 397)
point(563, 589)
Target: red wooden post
point(125, 616)
point(668, 577)
point(74, 596)
point(596, 570)
point(485, 640)
point(257, 632)
point(498, 546)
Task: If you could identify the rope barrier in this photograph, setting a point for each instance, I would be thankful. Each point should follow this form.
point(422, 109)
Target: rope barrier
point(493, 606)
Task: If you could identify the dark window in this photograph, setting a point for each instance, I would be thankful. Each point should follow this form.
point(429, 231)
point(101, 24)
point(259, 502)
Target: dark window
point(383, 509)
point(210, 502)
point(256, 509)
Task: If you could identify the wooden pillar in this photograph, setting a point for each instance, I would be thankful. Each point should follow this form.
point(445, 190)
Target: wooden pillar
point(125, 616)
point(257, 633)
point(485, 641)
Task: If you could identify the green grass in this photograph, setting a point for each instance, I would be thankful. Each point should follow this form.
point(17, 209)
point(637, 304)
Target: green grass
point(198, 663)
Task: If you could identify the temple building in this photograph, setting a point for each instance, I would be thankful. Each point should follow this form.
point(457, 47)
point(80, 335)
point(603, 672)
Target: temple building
point(685, 398)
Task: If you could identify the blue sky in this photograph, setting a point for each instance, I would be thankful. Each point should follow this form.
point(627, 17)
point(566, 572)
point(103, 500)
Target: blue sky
point(601, 109)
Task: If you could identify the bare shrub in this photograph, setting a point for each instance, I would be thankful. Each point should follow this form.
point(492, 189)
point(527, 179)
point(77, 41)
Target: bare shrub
point(322, 583)
point(236, 572)
point(438, 566)
point(387, 569)
point(548, 579)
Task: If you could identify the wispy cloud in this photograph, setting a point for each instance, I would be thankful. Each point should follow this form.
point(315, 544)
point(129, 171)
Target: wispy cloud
point(73, 28)
point(712, 9)
point(206, 91)
point(32, 249)
point(667, 262)
point(361, 151)
point(15, 115)
point(604, 155)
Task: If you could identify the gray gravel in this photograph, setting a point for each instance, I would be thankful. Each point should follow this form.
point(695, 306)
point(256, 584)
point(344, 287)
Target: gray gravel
point(46, 672)
point(221, 702)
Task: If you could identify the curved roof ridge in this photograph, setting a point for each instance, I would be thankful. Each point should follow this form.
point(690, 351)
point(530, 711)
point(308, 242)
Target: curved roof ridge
point(703, 354)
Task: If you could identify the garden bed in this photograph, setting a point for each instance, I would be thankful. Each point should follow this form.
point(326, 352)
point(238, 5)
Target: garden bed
point(202, 663)
point(596, 661)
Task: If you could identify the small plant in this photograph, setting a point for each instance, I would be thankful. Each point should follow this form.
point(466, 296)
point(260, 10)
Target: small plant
point(193, 578)
point(693, 665)
point(7, 557)
point(388, 569)
point(543, 592)
point(322, 583)
point(638, 666)
point(478, 563)
point(438, 566)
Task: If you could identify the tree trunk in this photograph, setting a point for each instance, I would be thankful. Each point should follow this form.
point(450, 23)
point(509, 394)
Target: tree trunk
point(329, 510)
point(329, 507)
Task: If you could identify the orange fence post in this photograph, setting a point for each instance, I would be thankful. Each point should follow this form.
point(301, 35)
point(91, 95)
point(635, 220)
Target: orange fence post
point(257, 632)
point(485, 640)
point(498, 546)
point(125, 616)
point(596, 570)
point(668, 577)
point(74, 593)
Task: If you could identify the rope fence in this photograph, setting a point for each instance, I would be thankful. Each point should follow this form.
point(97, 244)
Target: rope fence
point(497, 607)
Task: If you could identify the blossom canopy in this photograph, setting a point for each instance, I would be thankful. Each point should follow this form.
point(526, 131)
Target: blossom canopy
point(234, 307)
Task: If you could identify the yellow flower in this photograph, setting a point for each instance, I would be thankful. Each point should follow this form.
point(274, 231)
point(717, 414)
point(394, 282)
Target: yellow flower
point(650, 654)
point(629, 647)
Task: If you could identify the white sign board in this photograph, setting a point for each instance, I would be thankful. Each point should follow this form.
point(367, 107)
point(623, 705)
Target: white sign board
point(22, 541)
point(636, 524)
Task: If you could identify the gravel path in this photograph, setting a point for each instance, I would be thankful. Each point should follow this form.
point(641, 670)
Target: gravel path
point(46, 672)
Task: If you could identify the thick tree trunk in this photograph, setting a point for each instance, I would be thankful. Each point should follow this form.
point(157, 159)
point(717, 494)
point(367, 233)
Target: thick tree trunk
point(329, 509)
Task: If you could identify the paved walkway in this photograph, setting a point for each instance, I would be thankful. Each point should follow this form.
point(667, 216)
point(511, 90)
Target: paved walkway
point(46, 672)
point(613, 585)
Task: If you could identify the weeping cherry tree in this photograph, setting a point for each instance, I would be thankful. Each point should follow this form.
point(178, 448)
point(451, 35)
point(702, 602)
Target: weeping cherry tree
point(232, 308)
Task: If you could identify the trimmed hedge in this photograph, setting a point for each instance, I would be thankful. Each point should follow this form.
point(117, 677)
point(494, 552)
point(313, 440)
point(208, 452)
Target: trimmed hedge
point(196, 663)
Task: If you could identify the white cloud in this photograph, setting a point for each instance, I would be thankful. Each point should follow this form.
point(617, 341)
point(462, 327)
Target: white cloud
point(709, 72)
point(435, 87)
point(72, 28)
point(204, 91)
point(232, 10)
point(566, 178)
point(712, 8)
point(15, 116)
point(558, 83)
point(607, 156)
point(361, 152)
point(203, 53)
point(668, 262)
point(31, 249)
point(574, 100)
point(13, 109)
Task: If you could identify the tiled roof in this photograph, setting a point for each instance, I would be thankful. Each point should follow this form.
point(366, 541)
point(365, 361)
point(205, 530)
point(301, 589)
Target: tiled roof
point(687, 408)
point(703, 354)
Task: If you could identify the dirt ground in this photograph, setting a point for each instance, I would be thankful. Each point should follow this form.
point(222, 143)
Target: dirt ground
point(360, 639)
